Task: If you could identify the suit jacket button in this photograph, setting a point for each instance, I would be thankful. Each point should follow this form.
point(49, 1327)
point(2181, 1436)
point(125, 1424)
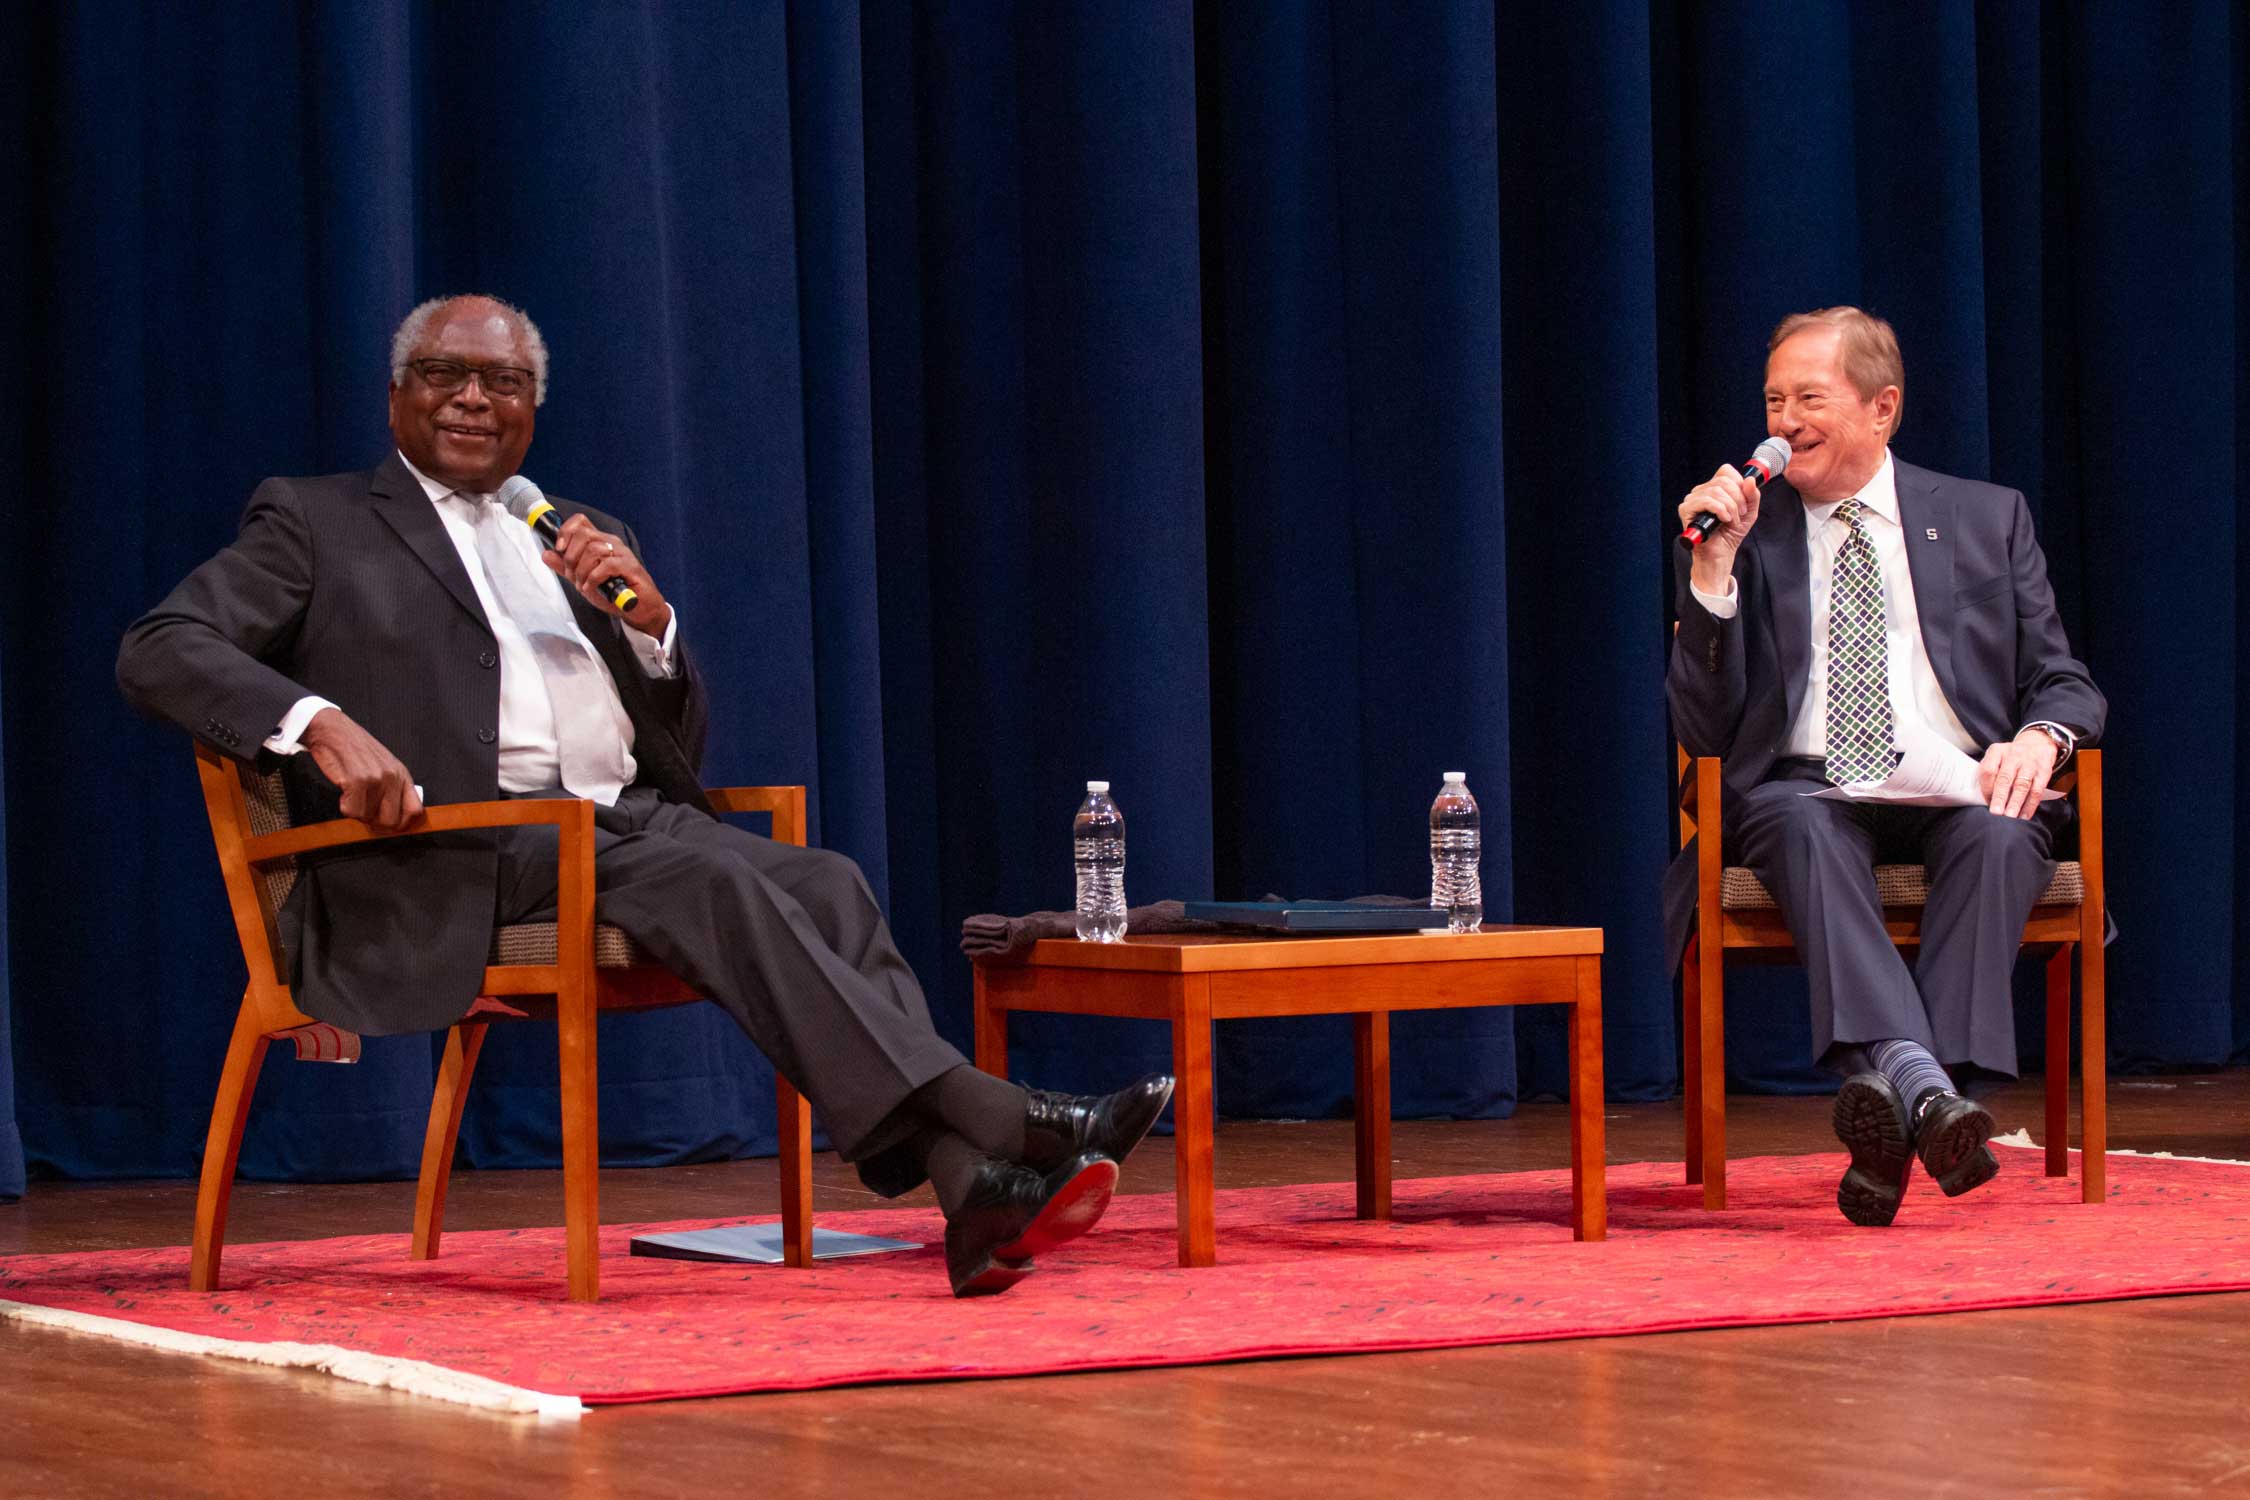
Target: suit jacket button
point(487, 736)
point(488, 660)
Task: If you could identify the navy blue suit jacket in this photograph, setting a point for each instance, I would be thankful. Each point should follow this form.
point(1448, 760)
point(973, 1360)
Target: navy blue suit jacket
point(1988, 620)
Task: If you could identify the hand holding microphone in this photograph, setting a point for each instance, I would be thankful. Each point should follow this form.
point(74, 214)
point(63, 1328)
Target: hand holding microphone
point(589, 559)
point(1728, 497)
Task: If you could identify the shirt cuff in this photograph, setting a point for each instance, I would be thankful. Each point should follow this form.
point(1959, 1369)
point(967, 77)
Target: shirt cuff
point(284, 740)
point(655, 656)
point(1720, 606)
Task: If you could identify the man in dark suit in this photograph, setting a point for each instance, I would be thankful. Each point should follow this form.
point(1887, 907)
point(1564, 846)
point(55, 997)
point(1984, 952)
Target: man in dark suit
point(1861, 608)
point(399, 625)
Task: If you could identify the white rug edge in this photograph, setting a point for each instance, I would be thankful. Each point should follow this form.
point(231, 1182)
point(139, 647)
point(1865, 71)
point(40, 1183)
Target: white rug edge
point(2022, 1140)
point(386, 1372)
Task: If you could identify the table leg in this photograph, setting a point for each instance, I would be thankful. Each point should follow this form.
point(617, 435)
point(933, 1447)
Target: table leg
point(1191, 1122)
point(1371, 1111)
point(991, 1023)
point(1589, 1202)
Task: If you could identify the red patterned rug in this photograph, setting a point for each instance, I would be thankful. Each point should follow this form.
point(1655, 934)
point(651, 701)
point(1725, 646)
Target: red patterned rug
point(1468, 1260)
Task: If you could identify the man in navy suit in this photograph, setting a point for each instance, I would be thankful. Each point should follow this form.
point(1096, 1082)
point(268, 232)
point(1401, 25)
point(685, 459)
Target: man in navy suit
point(1858, 608)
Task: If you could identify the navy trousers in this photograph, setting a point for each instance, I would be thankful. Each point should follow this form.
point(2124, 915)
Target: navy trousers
point(1818, 858)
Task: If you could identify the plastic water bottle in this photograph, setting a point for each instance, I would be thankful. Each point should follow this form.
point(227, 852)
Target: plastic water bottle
point(1098, 841)
point(1456, 843)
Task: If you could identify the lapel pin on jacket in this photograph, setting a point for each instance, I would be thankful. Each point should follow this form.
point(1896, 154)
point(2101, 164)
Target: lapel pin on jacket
point(1931, 533)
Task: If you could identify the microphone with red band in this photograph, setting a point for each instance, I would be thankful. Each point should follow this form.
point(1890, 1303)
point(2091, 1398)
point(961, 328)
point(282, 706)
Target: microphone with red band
point(1771, 458)
point(527, 504)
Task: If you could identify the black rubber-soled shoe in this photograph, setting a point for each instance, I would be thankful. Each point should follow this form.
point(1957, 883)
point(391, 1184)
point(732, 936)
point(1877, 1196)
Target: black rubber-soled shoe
point(1870, 1119)
point(1949, 1135)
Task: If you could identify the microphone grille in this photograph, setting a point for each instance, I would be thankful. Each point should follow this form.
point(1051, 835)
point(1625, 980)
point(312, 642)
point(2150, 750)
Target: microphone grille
point(1774, 454)
point(519, 495)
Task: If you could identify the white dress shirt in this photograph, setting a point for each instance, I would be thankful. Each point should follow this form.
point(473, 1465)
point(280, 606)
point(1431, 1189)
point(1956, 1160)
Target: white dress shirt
point(1918, 705)
point(530, 742)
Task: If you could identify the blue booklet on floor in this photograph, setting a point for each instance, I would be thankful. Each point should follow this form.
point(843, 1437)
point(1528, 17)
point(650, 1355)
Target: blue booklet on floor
point(1317, 916)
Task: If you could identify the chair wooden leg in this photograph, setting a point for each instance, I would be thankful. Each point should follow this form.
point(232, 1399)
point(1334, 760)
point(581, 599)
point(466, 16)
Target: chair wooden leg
point(1691, 1059)
point(2058, 1061)
point(462, 1044)
point(796, 1172)
point(222, 1146)
point(581, 1147)
point(1712, 1090)
point(2093, 1070)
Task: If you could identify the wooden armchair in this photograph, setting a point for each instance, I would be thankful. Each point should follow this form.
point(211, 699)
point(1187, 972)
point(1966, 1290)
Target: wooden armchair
point(565, 970)
point(1736, 914)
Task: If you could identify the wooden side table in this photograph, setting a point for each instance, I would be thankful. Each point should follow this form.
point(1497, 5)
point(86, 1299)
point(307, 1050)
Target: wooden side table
point(1193, 980)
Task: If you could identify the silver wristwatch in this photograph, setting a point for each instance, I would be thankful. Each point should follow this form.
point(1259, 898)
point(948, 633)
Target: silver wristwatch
point(2065, 741)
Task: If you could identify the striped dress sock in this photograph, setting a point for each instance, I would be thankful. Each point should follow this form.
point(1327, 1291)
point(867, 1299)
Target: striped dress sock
point(1909, 1067)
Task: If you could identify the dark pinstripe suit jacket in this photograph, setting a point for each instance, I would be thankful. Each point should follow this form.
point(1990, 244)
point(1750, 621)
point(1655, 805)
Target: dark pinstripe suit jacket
point(347, 586)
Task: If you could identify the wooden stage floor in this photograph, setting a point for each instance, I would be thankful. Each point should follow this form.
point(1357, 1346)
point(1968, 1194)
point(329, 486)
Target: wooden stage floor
point(2143, 1398)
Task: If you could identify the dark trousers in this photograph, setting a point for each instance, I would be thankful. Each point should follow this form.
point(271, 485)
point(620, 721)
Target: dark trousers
point(1818, 858)
point(788, 940)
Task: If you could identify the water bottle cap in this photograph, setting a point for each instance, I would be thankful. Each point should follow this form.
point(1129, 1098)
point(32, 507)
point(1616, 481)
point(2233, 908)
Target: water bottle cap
point(1097, 786)
point(1455, 776)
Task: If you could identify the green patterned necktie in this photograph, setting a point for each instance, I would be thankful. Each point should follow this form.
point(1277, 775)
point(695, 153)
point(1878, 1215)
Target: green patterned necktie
point(1859, 690)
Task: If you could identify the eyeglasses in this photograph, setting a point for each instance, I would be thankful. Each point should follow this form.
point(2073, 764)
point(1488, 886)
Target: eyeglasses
point(504, 381)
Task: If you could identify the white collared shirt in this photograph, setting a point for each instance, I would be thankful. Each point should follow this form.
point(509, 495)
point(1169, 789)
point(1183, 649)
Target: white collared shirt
point(1918, 704)
point(530, 745)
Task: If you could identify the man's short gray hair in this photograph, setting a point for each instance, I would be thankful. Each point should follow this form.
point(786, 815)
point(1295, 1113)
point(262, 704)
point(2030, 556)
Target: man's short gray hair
point(417, 323)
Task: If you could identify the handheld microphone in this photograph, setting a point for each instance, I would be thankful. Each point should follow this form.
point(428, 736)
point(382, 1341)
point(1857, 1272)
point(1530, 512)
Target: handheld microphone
point(1771, 458)
point(525, 502)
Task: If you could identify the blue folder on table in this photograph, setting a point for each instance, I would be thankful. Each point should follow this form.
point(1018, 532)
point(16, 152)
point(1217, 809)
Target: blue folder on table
point(1317, 916)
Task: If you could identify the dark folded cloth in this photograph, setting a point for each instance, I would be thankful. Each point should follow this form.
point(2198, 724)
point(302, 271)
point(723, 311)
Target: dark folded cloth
point(994, 936)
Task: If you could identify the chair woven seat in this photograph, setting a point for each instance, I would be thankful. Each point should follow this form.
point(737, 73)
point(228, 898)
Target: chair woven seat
point(1897, 885)
point(534, 943)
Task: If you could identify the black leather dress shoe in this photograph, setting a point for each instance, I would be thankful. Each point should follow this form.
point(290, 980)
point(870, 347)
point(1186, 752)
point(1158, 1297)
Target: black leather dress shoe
point(1949, 1135)
point(1870, 1120)
point(1013, 1213)
point(1059, 1126)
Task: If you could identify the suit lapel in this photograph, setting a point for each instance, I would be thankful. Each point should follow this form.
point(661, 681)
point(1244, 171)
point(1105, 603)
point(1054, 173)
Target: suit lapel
point(1925, 515)
point(1782, 555)
point(399, 499)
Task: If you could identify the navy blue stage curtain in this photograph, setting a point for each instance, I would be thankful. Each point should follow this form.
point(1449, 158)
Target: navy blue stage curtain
point(1265, 407)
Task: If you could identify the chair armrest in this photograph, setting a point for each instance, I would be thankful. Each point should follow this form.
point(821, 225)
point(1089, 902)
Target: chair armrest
point(558, 812)
point(785, 803)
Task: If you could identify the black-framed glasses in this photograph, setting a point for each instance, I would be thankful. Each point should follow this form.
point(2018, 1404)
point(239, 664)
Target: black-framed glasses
point(505, 381)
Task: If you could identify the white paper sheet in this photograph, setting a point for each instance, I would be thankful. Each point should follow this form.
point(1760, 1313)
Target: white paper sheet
point(1930, 774)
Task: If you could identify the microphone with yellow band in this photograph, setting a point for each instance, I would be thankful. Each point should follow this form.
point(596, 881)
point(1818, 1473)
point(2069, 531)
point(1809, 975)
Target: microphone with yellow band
point(525, 502)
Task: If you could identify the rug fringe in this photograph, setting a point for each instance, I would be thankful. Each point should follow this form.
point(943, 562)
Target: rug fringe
point(2022, 1138)
point(384, 1371)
